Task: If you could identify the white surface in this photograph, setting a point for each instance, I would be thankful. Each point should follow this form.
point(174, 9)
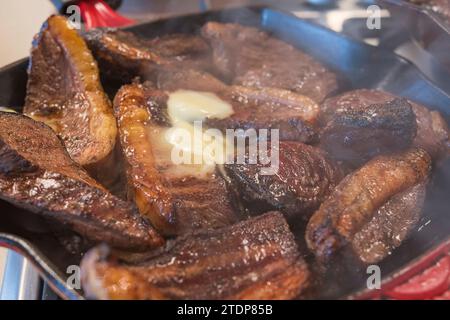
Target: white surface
point(20, 20)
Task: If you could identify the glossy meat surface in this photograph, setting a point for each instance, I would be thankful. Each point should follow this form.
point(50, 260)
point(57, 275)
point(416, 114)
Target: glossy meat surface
point(254, 259)
point(65, 92)
point(356, 135)
point(292, 114)
point(353, 205)
point(251, 58)
point(176, 198)
point(432, 130)
point(390, 225)
point(37, 174)
point(172, 79)
point(304, 179)
point(123, 55)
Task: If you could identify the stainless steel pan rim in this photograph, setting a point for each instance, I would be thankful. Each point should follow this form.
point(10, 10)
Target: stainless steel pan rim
point(435, 17)
point(45, 268)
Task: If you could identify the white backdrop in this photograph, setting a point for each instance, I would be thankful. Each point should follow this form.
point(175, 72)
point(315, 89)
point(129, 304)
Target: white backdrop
point(19, 21)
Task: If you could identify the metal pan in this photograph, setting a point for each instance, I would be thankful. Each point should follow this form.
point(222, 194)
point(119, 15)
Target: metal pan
point(427, 28)
point(360, 65)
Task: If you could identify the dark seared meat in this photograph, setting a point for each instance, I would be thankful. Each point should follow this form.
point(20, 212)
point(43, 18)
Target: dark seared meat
point(390, 225)
point(252, 58)
point(354, 136)
point(175, 198)
point(304, 180)
point(366, 196)
point(36, 173)
point(171, 79)
point(123, 55)
point(432, 130)
point(64, 91)
point(292, 114)
point(268, 108)
point(254, 259)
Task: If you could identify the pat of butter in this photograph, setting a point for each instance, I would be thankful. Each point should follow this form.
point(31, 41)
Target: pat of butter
point(186, 107)
point(189, 106)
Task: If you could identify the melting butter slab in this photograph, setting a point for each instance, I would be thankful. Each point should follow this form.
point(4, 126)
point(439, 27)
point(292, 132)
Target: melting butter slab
point(176, 197)
point(192, 143)
point(189, 106)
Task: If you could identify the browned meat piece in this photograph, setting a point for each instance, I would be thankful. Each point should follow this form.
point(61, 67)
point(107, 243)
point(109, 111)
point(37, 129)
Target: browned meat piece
point(292, 114)
point(432, 130)
point(252, 58)
point(64, 91)
point(123, 55)
point(352, 215)
point(354, 136)
point(175, 198)
point(268, 108)
point(390, 225)
point(304, 179)
point(37, 174)
point(171, 79)
point(254, 259)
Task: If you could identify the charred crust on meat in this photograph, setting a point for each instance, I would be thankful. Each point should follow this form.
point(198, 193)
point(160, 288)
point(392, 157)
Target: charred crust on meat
point(304, 179)
point(250, 57)
point(41, 177)
point(175, 201)
point(432, 129)
point(361, 196)
point(354, 136)
point(254, 259)
point(123, 55)
point(65, 92)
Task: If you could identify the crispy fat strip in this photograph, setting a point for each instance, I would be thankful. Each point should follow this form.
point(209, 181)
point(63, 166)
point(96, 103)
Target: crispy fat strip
point(358, 196)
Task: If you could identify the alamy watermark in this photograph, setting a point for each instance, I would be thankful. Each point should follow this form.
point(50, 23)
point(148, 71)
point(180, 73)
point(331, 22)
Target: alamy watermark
point(74, 16)
point(374, 280)
point(374, 19)
point(236, 146)
point(74, 277)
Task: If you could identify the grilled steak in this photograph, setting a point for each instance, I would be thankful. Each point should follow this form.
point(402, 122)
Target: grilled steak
point(171, 79)
point(304, 179)
point(123, 55)
point(432, 130)
point(176, 198)
point(354, 136)
point(390, 225)
point(252, 58)
point(294, 115)
point(64, 91)
point(268, 108)
point(367, 203)
point(254, 259)
point(36, 173)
